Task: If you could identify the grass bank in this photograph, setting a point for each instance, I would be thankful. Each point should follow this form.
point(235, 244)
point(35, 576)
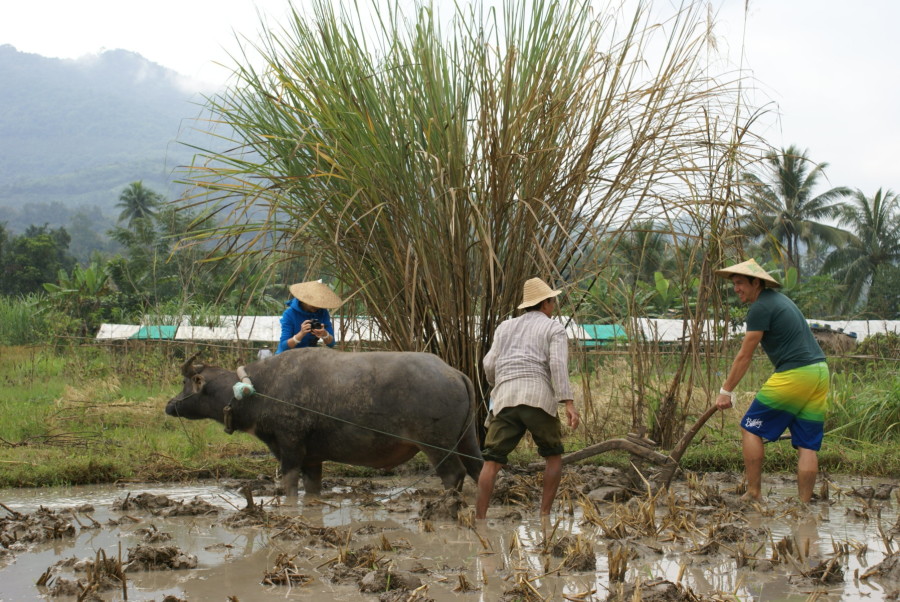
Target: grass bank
point(96, 415)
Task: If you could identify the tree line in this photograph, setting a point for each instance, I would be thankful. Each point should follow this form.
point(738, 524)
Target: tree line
point(150, 275)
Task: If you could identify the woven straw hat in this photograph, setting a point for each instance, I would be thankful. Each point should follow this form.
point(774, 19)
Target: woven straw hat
point(316, 294)
point(534, 291)
point(751, 269)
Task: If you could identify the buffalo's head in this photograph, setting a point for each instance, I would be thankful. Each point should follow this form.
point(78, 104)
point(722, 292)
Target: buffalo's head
point(190, 402)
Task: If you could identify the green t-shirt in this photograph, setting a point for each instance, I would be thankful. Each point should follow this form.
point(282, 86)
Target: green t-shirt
point(787, 338)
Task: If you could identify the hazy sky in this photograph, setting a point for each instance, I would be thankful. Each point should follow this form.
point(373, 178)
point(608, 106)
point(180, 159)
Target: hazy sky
point(828, 66)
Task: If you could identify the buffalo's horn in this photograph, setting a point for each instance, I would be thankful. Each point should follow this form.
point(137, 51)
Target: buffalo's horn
point(187, 369)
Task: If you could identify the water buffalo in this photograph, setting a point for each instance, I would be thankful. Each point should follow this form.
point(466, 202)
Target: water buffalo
point(374, 409)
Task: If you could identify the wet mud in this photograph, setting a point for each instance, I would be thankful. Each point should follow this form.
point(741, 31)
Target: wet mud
point(396, 538)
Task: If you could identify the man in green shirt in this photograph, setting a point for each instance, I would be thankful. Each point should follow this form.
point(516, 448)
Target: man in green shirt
point(795, 396)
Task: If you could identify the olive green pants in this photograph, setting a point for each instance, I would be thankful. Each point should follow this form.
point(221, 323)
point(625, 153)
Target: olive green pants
point(508, 427)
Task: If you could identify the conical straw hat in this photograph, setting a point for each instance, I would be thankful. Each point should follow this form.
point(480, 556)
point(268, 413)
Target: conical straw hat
point(316, 294)
point(749, 268)
point(534, 291)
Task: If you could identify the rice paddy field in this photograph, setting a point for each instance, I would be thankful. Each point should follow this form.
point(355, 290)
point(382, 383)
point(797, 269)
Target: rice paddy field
point(102, 492)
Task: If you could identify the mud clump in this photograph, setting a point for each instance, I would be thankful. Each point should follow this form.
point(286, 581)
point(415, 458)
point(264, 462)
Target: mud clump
point(340, 573)
point(383, 580)
point(195, 507)
point(142, 501)
point(826, 572)
point(149, 558)
point(603, 484)
point(708, 549)
point(66, 587)
point(447, 506)
point(734, 533)
point(102, 574)
point(260, 486)
point(657, 590)
point(888, 569)
point(297, 529)
point(286, 573)
point(512, 489)
point(404, 595)
point(577, 552)
point(868, 492)
point(328, 535)
point(522, 592)
point(255, 516)
point(366, 556)
point(44, 525)
point(152, 535)
point(160, 505)
point(351, 566)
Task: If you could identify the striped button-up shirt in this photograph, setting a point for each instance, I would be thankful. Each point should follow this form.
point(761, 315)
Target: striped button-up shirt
point(528, 364)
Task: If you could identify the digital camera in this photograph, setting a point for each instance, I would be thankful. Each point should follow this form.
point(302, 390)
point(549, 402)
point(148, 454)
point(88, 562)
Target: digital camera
point(315, 325)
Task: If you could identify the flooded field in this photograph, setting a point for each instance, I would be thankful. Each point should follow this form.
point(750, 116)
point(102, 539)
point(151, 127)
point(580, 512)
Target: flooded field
point(400, 538)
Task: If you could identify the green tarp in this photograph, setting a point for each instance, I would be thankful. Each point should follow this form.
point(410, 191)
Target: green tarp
point(603, 334)
point(155, 332)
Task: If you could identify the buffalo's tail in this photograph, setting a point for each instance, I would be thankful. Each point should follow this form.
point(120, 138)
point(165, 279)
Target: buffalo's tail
point(469, 449)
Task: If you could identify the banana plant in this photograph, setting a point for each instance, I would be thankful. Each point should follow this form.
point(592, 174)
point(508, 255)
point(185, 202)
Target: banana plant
point(81, 294)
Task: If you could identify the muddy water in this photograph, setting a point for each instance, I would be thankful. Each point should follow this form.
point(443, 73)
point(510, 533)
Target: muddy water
point(777, 546)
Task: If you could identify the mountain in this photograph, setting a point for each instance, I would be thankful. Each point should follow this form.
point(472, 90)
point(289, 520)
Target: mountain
point(74, 133)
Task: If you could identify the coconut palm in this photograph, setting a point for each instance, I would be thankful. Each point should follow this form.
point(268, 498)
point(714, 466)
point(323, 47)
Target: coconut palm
point(645, 248)
point(138, 202)
point(784, 210)
point(874, 243)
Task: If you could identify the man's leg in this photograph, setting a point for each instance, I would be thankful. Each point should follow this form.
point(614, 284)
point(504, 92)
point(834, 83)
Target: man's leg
point(552, 477)
point(753, 458)
point(486, 487)
point(807, 469)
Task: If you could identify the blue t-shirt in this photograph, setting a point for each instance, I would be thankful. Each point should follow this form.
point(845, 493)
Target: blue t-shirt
point(787, 338)
point(291, 320)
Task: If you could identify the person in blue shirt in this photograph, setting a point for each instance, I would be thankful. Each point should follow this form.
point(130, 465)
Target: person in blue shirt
point(306, 320)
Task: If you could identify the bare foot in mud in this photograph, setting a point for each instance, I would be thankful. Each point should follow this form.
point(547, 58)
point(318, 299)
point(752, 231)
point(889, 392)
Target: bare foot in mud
point(747, 497)
point(545, 525)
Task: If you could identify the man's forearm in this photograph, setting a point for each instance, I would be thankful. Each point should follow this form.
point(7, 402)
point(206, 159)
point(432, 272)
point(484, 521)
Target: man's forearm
point(736, 373)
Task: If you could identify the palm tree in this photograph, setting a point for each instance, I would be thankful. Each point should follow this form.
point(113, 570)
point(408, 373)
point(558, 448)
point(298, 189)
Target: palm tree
point(785, 209)
point(875, 243)
point(645, 249)
point(138, 202)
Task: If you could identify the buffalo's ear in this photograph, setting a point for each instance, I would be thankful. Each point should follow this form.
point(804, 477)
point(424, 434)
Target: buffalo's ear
point(199, 382)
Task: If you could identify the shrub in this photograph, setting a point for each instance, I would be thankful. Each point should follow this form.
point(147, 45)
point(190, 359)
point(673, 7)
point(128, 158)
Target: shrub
point(883, 344)
point(22, 322)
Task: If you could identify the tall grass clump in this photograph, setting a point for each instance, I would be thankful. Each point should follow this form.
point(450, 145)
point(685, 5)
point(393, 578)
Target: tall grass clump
point(865, 405)
point(427, 166)
point(24, 321)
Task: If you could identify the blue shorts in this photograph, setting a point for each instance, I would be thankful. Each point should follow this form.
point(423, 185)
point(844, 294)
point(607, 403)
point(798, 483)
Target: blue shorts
point(794, 399)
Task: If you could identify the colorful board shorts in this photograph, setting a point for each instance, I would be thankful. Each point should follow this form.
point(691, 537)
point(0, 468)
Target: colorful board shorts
point(794, 399)
point(508, 427)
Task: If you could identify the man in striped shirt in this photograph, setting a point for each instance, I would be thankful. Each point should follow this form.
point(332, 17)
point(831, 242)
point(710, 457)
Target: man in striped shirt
point(527, 368)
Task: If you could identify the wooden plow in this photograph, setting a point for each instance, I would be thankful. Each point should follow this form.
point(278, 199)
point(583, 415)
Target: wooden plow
point(644, 448)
